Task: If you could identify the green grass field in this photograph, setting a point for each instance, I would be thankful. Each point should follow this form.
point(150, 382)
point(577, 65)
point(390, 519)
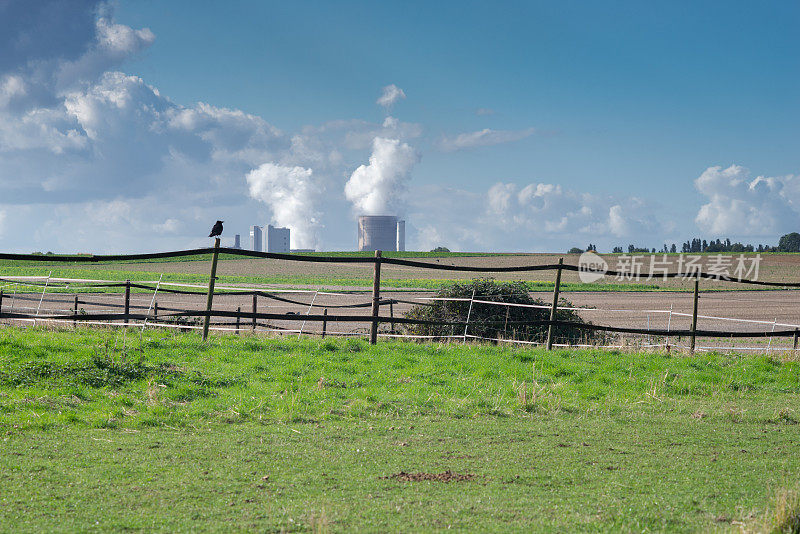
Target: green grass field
point(110, 430)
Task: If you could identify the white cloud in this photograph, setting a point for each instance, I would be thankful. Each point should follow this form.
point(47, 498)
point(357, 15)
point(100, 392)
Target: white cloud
point(379, 188)
point(390, 96)
point(11, 87)
point(170, 226)
point(485, 137)
point(292, 195)
point(739, 205)
point(531, 217)
point(113, 44)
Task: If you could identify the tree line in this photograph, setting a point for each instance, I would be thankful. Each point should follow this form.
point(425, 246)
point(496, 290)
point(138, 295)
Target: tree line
point(787, 243)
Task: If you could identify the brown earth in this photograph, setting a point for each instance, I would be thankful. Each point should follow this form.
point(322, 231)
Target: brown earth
point(447, 476)
point(772, 267)
point(657, 310)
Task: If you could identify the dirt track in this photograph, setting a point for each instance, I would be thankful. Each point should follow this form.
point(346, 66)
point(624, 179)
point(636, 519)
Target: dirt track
point(627, 309)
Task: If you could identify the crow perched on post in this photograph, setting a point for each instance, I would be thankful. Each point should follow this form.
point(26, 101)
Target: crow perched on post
point(217, 229)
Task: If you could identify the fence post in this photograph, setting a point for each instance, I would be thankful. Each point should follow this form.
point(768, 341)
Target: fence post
point(211, 280)
point(238, 318)
point(555, 305)
point(391, 314)
point(1, 302)
point(75, 312)
point(794, 341)
point(127, 300)
point(155, 311)
point(376, 299)
point(324, 322)
point(255, 309)
point(694, 315)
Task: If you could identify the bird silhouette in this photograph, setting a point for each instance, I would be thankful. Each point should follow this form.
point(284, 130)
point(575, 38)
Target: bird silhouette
point(217, 229)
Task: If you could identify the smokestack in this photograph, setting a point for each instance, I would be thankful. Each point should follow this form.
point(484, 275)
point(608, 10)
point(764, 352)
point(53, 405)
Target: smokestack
point(401, 235)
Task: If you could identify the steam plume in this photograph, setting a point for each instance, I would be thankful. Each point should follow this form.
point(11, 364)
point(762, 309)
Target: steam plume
point(378, 188)
point(292, 197)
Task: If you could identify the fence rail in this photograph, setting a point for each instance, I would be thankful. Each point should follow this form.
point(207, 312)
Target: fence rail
point(172, 316)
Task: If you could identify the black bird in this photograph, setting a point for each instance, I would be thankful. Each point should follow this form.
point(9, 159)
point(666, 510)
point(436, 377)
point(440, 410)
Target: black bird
point(217, 229)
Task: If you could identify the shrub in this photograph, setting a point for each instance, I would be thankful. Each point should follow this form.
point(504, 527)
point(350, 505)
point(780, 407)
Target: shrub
point(493, 321)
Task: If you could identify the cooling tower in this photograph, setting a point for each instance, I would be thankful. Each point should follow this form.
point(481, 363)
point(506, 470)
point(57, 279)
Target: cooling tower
point(377, 232)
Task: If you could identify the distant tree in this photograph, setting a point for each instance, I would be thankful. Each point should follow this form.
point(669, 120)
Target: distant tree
point(617, 250)
point(789, 242)
point(673, 248)
point(441, 249)
point(575, 250)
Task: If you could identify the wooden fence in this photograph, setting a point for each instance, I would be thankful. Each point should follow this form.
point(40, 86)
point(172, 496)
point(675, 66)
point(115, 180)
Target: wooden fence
point(182, 318)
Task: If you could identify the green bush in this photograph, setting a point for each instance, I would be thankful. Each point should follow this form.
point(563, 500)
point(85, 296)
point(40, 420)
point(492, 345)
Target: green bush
point(493, 321)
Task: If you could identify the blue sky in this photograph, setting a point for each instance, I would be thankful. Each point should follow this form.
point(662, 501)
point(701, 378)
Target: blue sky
point(611, 123)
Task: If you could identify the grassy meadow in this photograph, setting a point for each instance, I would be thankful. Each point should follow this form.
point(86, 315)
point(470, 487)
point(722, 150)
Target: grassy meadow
point(111, 430)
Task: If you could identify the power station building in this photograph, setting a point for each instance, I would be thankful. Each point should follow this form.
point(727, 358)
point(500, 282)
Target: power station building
point(256, 240)
point(277, 240)
point(381, 232)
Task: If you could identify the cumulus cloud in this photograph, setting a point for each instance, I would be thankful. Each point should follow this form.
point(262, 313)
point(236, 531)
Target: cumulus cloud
point(485, 137)
point(113, 44)
point(532, 217)
point(379, 188)
point(744, 206)
point(390, 96)
point(292, 196)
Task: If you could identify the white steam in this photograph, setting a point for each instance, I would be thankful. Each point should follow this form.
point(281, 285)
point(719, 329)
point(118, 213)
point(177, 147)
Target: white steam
point(292, 197)
point(378, 188)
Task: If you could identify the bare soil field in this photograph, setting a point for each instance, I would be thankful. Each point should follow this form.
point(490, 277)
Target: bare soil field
point(772, 267)
point(729, 310)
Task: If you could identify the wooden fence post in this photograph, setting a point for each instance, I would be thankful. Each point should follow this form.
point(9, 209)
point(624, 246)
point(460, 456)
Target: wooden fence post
point(1, 302)
point(391, 314)
point(694, 315)
point(238, 318)
point(211, 280)
point(155, 311)
point(376, 298)
point(555, 305)
point(255, 309)
point(127, 300)
point(75, 312)
point(324, 322)
point(794, 341)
